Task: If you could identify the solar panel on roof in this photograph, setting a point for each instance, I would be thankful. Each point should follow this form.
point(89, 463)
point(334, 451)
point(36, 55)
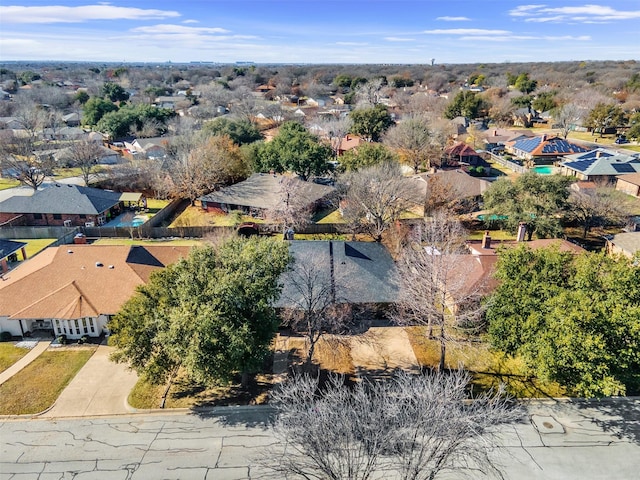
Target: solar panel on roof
point(623, 168)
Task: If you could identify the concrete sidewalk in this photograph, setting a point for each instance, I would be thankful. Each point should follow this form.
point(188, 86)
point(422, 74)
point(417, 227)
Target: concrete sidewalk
point(24, 361)
point(101, 387)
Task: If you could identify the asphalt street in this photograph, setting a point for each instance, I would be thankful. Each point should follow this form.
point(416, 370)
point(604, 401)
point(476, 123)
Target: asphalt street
point(586, 440)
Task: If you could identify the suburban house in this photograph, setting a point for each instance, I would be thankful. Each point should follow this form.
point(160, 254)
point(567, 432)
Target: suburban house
point(460, 153)
point(527, 117)
point(155, 147)
point(602, 164)
point(262, 192)
point(72, 290)
point(496, 138)
point(543, 149)
point(9, 253)
point(64, 156)
point(456, 186)
point(62, 205)
point(349, 142)
point(357, 273)
point(627, 244)
point(629, 184)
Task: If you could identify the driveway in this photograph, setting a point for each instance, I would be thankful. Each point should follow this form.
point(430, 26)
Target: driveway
point(101, 387)
point(382, 350)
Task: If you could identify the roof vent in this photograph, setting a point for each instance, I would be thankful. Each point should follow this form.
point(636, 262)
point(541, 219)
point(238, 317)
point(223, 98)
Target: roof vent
point(69, 251)
point(111, 267)
point(99, 264)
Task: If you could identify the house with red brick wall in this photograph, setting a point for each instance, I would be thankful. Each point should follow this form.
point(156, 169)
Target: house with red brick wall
point(62, 205)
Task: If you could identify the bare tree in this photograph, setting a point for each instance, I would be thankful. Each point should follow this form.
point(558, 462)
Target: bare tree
point(567, 117)
point(85, 155)
point(197, 167)
point(19, 160)
point(436, 290)
point(292, 208)
point(600, 207)
point(336, 128)
point(412, 137)
point(374, 198)
point(368, 94)
point(413, 427)
point(310, 303)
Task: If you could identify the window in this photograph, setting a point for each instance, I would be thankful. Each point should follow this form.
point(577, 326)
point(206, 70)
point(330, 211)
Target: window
point(37, 216)
point(57, 216)
point(82, 215)
point(84, 326)
point(93, 330)
point(57, 324)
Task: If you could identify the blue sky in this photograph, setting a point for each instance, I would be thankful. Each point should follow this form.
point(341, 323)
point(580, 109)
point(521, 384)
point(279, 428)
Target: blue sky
point(317, 31)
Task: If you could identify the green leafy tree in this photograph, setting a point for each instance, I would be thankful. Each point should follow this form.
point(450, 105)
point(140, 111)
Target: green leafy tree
point(114, 92)
point(366, 155)
point(117, 123)
point(572, 318)
point(537, 200)
point(240, 131)
point(210, 314)
point(634, 126)
point(295, 149)
point(81, 97)
point(525, 84)
point(522, 101)
point(604, 116)
point(371, 123)
point(343, 81)
point(95, 108)
point(544, 101)
point(466, 104)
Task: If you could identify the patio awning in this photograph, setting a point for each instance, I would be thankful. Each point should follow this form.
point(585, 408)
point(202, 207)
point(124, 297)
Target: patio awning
point(130, 197)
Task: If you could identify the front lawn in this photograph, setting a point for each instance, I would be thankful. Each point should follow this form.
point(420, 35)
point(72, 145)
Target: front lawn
point(194, 216)
point(37, 387)
point(10, 354)
point(489, 369)
point(186, 394)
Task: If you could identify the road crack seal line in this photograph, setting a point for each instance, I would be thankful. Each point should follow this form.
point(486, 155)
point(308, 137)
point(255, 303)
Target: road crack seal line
point(526, 449)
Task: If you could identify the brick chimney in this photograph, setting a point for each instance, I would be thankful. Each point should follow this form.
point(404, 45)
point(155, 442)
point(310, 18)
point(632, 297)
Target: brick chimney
point(486, 240)
point(522, 230)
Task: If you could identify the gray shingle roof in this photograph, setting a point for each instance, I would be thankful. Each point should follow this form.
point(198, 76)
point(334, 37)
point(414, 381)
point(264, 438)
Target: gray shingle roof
point(603, 162)
point(364, 272)
point(62, 199)
point(263, 191)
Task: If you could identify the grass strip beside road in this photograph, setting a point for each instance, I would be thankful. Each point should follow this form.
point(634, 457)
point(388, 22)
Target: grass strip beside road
point(10, 354)
point(37, 387)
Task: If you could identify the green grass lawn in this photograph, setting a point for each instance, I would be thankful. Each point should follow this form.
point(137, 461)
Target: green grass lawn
point(185, 394)
point(154, 205)
point(127, 241)
point(35, 245)
point(494, 234)
point(194, 216)
point(10, 354)
point(8, 183)
point(60, 173)
point(488, 368)
point(35, 388)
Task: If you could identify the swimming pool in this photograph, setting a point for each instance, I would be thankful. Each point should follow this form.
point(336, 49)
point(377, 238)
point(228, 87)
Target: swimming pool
point(136, 222)
point(544, 170)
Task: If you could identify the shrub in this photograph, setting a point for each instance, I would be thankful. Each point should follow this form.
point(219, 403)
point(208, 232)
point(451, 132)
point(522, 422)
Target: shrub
point(62, 339)
point(5, 336)
point(480, 170)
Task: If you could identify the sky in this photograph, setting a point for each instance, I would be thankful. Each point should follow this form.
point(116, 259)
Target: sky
point(319, 31)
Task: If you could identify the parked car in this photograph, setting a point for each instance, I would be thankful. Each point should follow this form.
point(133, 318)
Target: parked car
point(621, 139)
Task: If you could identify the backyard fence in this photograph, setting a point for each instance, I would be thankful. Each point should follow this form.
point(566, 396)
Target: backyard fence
point(506, 163)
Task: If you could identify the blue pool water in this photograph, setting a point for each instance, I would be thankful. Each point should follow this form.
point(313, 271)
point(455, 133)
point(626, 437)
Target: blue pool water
point(544, 170)
point(136, 222)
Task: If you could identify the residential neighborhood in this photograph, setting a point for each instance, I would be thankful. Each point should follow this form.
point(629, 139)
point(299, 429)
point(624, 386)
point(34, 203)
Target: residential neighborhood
point(403, 270)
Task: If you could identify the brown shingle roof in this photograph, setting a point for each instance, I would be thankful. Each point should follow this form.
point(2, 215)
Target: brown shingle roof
point(65, 282)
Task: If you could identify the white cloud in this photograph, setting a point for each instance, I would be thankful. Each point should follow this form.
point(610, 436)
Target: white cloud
point(62, 14)
point(508, 38)
point(466, 31)
point(352, 44)
point(178, 29)
point(524, 10)
point(399, 39)
point(585, 13)
point(190, 21)
point(454, 19)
